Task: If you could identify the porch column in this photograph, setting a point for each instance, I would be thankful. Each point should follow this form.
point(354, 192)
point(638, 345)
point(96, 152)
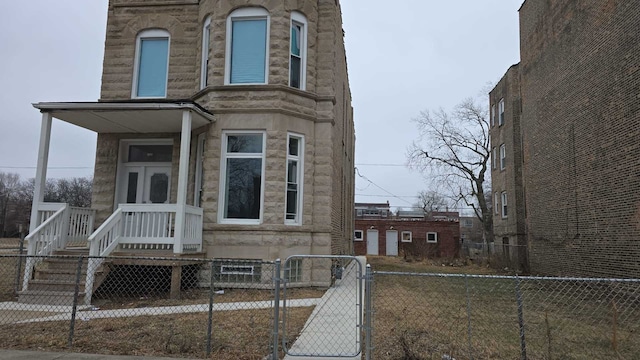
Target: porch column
point(183, 174)
point(41, 169)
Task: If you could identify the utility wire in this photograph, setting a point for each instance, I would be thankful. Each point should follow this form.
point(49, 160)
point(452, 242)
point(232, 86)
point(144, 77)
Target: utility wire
point(379, 187)
point(48, 167)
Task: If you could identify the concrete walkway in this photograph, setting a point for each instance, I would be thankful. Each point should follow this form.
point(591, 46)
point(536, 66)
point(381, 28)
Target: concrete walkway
point(41, 355)
point(333, 327)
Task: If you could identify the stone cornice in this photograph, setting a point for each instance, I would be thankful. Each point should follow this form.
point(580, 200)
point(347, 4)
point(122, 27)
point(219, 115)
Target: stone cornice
point(231, 88)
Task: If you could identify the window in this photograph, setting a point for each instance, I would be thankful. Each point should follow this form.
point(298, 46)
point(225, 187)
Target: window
point(295, 151)
point(496, 203)
point(406, 236)
point(493, 114)
point(247, 56)
point(501, 112)
point(357, 235)
point(503, 157)
point(359, 212)
point(243, 180)
point(467, 223)
point(494, 158)
point(298, 51)
point(204, 66)
point(432, 237)
point(151, 66)
point(504, 204)
point(293, 272)
point(237, 271)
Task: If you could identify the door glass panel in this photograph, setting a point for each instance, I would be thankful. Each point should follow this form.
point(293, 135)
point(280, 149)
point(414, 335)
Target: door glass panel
point(150, 153)
point(132, 188)
point(158, 188)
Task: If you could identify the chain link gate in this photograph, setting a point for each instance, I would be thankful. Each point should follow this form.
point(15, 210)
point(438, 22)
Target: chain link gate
point(334, 328)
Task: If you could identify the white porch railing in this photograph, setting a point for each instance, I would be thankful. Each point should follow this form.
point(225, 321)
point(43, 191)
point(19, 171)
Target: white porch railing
point(143, 227)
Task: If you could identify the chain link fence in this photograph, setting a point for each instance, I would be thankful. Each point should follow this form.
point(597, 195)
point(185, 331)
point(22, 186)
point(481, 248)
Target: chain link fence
point(446, 316)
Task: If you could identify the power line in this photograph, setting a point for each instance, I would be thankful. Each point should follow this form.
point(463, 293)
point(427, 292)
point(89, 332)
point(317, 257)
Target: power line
point(403, 165)
point(379, 187)
point(48, 167)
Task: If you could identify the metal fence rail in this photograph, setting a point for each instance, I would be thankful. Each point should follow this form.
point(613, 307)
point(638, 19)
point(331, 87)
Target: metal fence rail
point(438, 316)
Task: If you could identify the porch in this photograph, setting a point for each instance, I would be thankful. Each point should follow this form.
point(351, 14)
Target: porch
point(137, 223)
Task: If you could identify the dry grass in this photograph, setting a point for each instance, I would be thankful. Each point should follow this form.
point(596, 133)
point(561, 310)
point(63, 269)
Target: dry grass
point(10, 243)
point(427, 317)
point(201, 296)
point(242, 334)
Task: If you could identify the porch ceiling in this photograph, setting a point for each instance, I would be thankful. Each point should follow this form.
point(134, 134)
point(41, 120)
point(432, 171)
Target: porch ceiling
point(128, 116)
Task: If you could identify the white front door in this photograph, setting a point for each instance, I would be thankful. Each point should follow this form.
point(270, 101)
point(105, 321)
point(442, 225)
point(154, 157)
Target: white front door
point(146, 184)
point(372, 242)
point(392, 243)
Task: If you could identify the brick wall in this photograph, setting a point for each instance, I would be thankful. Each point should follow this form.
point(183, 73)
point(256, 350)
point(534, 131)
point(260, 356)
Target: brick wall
point(448, 244)
point(581, 134)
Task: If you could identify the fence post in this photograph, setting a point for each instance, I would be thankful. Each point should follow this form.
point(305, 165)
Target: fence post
point(523, 344)
point(76, 291)
point(466, 286)
point(20, 250)
point(276, 306)
point(368, 290)
point(210, 324)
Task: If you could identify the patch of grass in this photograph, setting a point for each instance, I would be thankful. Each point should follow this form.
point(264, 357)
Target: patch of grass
point(446, 266)
point(244, 334)
point(426, 317)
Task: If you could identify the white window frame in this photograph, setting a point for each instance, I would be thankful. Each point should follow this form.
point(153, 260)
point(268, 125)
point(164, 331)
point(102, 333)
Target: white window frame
point(435, 235)
point(149, 34)
point(494, 158)
point(467, 223)
point(356, 238)
point(493, 114)
point(503, 206)
point(503, 156)
point(359, 212)
point(501, 112)
point(227, 269)
point(301, 20)
point(206, 47)
point(300, 160)
point(223, 172)
point(410, 236)
point(496, 202)
point(249, 13)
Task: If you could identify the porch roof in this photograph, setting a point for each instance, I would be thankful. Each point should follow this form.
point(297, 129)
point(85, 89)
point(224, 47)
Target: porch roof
point(133, 116)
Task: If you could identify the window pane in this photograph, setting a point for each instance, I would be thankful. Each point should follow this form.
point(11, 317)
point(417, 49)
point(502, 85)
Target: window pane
point(244, 144)
point(295, 39)
point(242, 193)
point(292, 172)
point(152, 69)
point(248, 51)
point(294, 79)
point(293, 146)
point(292, 202)
point(132, 188)
point(150, 153)
point(158, 188)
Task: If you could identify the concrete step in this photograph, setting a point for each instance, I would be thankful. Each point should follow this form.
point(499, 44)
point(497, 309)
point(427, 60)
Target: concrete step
point(57, 263)
point(73, 252)
point(64, 274)
point(48, 297)
point(55, 285)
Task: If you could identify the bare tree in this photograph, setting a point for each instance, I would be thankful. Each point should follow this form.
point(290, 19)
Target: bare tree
point(9, 184)
point(454, 149)
point(430, 201)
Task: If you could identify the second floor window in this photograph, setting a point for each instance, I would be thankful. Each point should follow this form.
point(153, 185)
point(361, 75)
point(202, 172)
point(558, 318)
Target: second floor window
point(494, 159)
point(496, 203)
point(504, 204)
point(503, 157)
point(501, 112)
point(298, 50)
point(493, 114)
point(294, 180)
point(204, 68)
point(247, 46)
point(151, 66)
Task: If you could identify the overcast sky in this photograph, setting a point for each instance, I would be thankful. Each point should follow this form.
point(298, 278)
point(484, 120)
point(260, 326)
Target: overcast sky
point(412, 56)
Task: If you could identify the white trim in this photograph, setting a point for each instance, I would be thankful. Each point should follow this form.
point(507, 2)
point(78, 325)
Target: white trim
point(223, 171)
point(356, 238)
point(494, 158)
point(301, 20)
point(40, 180)
point(493, 114)
point(300, 160)
point(248, 13)
point(496, 202)
point(410, 237)
point(149, 34)
point(223, 271)
point(435, 236)
point(501, 112)
point(206, 42)
point(503, 156)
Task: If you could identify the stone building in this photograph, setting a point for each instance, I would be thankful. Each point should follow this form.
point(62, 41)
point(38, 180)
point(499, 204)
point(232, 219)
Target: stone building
point(579, 117)
point(224, 126)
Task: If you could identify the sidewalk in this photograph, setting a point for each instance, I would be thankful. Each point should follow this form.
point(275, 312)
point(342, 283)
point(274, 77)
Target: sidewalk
point(39, 355)
point(333, 327)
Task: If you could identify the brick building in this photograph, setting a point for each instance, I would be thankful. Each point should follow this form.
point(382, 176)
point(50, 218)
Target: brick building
point(578, 82)
point(227, 124)
point(409, 234)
